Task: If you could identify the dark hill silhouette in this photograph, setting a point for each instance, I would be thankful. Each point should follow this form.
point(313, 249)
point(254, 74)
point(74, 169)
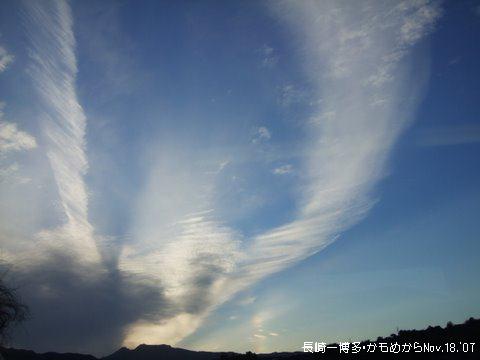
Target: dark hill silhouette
point(468, 332)
point(155, 352)
point(31, 355)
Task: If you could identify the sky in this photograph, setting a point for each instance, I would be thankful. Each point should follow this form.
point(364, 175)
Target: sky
point(238, 175)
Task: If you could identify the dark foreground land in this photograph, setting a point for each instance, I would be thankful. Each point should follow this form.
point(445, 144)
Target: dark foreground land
point(460, 341)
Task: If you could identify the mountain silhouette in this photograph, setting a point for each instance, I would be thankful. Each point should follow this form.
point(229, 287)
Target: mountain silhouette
point(154, 352)
point(453, 342)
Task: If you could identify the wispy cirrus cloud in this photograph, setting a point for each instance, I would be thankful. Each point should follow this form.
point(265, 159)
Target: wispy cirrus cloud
point(60, 266)
point(180, 244)
point(53, 70)
point(181, 255)
point(13, 139)
point(269, 56)
point(356, 54)
point(283, 169)
point(261, 134)
point(290, 95)
point(357, 50)
point(5, 59)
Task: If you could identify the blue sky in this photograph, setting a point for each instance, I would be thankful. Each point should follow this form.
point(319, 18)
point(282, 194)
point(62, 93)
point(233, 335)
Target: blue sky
point(238, 175)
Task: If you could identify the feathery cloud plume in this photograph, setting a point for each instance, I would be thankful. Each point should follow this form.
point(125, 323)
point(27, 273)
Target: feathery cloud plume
point(60, 268)
point(354, 52)
point(53, 70)
point(180, 247)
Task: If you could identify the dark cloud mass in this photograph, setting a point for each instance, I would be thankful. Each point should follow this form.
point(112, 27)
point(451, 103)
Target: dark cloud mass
point(71, 312)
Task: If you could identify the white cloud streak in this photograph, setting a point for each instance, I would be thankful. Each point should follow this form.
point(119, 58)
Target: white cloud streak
point(53, 69)
point(179, 246)
point(356, 52)
point(358, 49)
